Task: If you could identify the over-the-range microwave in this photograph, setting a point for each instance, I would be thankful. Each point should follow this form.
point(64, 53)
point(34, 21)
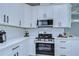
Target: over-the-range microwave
point(45, 23)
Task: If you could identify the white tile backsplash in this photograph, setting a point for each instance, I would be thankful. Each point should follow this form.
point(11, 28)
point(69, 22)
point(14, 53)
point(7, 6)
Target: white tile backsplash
point(12, 32)
point(54, 31)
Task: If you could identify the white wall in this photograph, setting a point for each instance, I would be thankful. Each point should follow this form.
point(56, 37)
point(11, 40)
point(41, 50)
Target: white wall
point(74, 30)
point(13, 32)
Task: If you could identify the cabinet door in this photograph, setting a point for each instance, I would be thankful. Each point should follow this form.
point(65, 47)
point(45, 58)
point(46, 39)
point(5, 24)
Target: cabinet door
point(7, 51)
point(2, 13)
point(45, 12)
point(27, 16)
point(23, 50)
point(21, 14)
point(31, 46)
point(63, 47)
point(50, 12)
point(41, 12)
point(75, 47)
point(14, 14)
point(34, 16)
point(62, 17)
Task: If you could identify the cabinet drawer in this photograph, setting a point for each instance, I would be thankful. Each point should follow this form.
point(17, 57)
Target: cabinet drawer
point(61, 54)
point(62, 42)
point(62, 47)
point(62, 51)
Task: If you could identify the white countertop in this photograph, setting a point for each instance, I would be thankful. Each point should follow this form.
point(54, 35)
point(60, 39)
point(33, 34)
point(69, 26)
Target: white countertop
point(75, 37)
point(18, 40)
point(56, 38)
point(11, 42)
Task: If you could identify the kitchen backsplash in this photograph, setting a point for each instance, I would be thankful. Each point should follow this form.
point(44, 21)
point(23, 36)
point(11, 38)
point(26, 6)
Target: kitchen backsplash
point(12, 32)
point(54, 31)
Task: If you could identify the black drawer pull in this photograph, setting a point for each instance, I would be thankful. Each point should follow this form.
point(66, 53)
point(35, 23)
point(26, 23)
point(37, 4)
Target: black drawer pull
point(63, 47)
point(62, 55)
point(63, 41)
point(15, 47)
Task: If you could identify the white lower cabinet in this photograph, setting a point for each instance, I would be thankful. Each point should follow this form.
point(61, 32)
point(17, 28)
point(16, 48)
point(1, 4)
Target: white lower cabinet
point(23, 50)
point(75, 47)
point(31, 47)
point(10, 51)
point(19, 49)
point(68, 47)
point(62, 47)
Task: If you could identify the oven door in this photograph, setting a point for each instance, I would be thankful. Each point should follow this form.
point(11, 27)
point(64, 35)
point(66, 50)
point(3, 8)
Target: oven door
point(45, 48)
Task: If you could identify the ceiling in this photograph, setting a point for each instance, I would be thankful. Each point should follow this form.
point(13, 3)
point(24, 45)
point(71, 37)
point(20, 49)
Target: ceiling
point(37, 4)
point(33, 4)
point(75, 6)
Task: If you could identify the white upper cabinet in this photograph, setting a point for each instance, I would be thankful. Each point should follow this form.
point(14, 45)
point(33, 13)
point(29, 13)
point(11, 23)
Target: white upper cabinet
point(20, 12)
point(62, 15)
point(15, 13)
point(34, 16)
point(11, 13)
point(27, 16)
point(2, 9)
point(45, 12)
point(41, 13)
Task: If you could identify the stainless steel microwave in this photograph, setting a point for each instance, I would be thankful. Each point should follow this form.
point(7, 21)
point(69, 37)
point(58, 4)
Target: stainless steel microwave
point(45, 23)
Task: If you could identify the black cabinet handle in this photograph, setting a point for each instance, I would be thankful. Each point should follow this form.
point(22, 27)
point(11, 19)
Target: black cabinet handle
point(37, 22)
point(63, 41)
point(16, 54)
point(4, 18)
point(63, 47)
point(20, 22)
point(7, 19)
point(15, 47)
point(62, 55)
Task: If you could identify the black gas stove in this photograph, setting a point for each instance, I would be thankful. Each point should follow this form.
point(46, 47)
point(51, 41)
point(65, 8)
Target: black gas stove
point(45, 48)
point(44, 37)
